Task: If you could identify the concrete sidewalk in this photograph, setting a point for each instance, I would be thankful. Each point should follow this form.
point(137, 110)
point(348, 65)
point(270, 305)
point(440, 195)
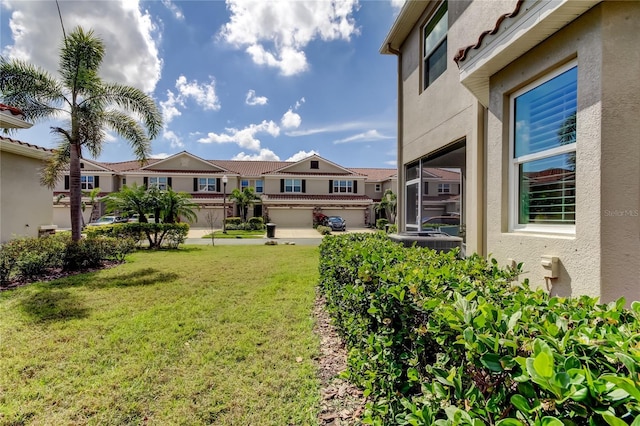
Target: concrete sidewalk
point(281, 235)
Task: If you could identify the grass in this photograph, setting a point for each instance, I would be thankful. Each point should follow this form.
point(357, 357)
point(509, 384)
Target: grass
point(237, 234)
point(205, 335)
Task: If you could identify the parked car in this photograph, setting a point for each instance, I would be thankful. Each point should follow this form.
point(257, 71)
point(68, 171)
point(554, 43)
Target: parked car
point(136, 218)
point(441, 220)
point(107, 220)
point(336, 223)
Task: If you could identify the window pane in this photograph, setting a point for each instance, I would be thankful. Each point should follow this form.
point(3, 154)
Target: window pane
point(412, 171)
point(545, 117)
point(436, 63)
point(434, 36)
point(548, 190)
point(412, 204)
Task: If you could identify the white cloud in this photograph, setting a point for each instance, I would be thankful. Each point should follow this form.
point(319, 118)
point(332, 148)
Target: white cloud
point(160, 155)
point(301, 155)
point(291, 120)
point(245, 138)
point(203, 94)
point(172, 137)
point(392, 163)
point(252, 99)
point(169, 109)
point(368, 136)
point(175, 10)
point(275, 33)
point(332, 128)
point(130, 37)
point(397, 4)
point(264, 155)
point(299, 103)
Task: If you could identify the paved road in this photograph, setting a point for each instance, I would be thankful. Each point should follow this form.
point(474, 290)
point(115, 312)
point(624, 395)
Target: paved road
point(298, 236)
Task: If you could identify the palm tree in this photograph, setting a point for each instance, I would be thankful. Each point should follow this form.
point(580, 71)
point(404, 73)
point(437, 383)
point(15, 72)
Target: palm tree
point(389, 205)
point(176, 204)
point(244, 198)
point(89, 104)
point(130, 200)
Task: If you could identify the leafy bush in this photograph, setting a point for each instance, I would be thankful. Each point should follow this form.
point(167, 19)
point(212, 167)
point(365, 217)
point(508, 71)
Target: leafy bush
point(380, 223)
point(156, 234)
point(256, 223)
point(323, 230)
point(436, 340)
point(233, 221)
point(393, 229)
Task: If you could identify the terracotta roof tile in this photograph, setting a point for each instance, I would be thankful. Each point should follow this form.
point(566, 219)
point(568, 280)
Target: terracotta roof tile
point(12, 110)
point(17, 142)
point(375, 174)
point(462, 52)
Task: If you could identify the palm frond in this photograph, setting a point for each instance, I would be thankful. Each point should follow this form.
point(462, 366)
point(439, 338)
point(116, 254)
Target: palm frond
point(56, 164)
point(80, 60)
point(130, 130)
point(136, 101)
point(33, 90)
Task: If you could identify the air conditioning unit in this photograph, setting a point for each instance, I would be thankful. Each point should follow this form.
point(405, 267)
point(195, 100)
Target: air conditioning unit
point(434, 240)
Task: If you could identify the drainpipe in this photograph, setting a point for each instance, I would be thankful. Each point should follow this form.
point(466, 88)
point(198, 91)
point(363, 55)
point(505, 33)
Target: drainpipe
point(400, 218)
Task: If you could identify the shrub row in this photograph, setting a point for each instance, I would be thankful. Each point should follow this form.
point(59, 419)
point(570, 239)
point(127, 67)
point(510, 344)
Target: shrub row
point(436, 340)
point(253, 224)
point(323, 230)
point(157, 235)
point(31, 258)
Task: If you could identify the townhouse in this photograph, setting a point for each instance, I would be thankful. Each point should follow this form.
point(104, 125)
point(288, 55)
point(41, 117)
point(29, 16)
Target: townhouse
point(536, 101)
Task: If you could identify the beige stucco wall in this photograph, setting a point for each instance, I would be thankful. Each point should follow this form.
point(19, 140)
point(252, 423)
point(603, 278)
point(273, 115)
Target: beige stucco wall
point(313, 185)
point(446, 112)
point(25, 204)
point(603, 257)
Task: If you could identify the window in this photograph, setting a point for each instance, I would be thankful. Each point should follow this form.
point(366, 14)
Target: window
point(207, 184)
point(444, 188)
point(257, 185)
point(292, 185)
point(159, 182)
point(426, 187)
point(543, 147)
point(435, 46)
point(315, 164)
point(378, 187)
point(86, 182)
point(343, 186)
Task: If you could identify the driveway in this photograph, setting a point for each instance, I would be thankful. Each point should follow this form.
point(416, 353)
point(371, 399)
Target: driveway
point(305, 236)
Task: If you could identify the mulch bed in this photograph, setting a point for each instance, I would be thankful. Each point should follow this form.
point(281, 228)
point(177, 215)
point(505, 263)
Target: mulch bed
point(341, 403)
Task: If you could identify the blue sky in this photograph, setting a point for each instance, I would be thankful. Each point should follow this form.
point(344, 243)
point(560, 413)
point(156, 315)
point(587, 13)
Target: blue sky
point(248, 80)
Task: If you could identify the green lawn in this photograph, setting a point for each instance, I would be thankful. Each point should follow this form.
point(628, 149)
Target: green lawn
point(205, 335)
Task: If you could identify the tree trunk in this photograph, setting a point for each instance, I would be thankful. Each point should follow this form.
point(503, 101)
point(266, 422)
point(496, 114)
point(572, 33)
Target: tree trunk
point(75, 192)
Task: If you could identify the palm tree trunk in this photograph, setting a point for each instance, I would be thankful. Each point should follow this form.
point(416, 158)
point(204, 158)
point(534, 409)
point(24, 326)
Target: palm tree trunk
point(75, 192)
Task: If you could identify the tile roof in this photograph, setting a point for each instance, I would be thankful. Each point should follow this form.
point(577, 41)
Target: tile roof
point(375, 174)
point(444, 174)
point(462, 52)
point(250, 168)
point(12, 110)
point(17, 142)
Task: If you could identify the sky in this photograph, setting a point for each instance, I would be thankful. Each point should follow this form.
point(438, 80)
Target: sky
point(234, 80)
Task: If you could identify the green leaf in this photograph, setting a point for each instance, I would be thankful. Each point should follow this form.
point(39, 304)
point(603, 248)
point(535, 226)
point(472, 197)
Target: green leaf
point(492, 362)
point(521, 403)
point(624, 383)
point(543, 364)
point(550, 421)
point(509, 422)
point(613, 420)
point(514, 320)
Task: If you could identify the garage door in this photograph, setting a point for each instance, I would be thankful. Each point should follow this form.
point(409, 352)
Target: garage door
point(291, 218)
point(354, 218)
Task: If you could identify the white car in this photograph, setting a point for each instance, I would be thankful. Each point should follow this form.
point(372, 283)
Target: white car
point(107, 220)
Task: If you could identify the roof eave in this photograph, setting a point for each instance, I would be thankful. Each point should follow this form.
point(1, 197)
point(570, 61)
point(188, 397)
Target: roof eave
point(404, 23)
point(537, 21)
point(8, 121)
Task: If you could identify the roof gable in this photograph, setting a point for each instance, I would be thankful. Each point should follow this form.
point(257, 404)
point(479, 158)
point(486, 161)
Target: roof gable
point(303, 167)
point(183, 161)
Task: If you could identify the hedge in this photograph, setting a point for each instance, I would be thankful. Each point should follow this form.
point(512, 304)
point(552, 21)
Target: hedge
point(437, 340)
point(157, 235)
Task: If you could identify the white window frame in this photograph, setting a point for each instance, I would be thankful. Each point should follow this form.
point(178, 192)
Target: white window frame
point(444, 188)
point(514, 173)
point(160, 182)
point(252, 183)
point(290, 185)
point(204, 187)
point(443, 38)
point(85, 181)
point(339, 185)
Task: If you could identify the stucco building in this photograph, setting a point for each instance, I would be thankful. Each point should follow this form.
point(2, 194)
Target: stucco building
point(537, 102)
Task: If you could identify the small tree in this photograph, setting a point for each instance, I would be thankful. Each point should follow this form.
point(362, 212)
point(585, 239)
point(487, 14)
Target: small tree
point(176, 204)
point(130, 200)
point(244, 198)
point(389, 205)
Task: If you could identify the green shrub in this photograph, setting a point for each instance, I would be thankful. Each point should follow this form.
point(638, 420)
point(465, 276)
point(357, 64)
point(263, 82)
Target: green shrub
point(233, 221)
point(257, 223)
point(27, 258)
point(393, 229)
point(381, 223)
point(323, 230)
point(434, 339)
point(156, 234)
